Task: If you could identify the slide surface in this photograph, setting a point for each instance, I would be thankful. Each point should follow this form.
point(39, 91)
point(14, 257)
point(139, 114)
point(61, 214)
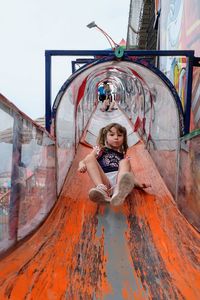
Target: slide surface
point(144, 249)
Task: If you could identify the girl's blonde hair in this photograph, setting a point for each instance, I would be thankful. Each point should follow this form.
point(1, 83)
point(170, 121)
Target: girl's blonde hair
point(101, 140)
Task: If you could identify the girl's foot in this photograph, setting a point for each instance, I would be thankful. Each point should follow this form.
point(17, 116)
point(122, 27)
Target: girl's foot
point(125, 186)
point(99, 194)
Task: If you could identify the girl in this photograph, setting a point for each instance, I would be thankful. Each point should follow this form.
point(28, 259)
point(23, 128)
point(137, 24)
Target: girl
point(108, 168)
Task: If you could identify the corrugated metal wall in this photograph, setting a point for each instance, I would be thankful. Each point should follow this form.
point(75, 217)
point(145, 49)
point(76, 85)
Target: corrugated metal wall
point(141, 33)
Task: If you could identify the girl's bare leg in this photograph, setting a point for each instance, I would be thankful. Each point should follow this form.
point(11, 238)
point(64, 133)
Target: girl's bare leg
point(124, 167)
point(95, 172)
point(125, 183)
point(100, 193)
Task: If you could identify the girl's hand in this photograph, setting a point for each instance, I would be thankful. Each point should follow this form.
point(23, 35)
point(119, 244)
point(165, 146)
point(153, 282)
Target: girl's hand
point(142, 185)
point(82, 167)
point(145, 185)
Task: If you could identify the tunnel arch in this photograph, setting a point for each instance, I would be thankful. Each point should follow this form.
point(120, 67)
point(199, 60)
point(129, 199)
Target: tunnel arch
point(119, 72)
point(143, 92)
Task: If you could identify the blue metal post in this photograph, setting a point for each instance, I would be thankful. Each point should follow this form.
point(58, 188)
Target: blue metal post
point(47, 91)
point(188, 94)
point(73, 66)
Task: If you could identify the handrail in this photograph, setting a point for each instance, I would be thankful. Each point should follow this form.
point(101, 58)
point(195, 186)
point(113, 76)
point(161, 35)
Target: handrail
point(190, 135)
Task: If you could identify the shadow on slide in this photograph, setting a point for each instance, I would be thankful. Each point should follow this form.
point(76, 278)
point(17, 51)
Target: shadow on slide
point(144, 249)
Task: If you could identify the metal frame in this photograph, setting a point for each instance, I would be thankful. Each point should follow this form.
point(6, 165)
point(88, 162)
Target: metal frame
point(81, 61)
point(191, 61)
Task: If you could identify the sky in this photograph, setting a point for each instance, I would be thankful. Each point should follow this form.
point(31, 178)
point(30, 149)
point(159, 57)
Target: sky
point(29, 27)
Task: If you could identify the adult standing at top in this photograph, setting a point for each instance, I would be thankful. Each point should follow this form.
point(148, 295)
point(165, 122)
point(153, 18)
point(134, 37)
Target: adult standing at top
point(102, 92)
point(108, 91)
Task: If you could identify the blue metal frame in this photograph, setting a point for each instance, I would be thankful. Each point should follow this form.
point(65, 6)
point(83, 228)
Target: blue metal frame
point(80, 62)
point(133, 53)
point(189, 77)
point(47, 91)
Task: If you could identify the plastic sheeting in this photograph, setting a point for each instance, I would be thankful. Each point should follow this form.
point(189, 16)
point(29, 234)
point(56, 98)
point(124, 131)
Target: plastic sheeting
point(27, 174)
point(143, 93)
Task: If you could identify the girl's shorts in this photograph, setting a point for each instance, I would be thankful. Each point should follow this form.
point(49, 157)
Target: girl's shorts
point(112, 177)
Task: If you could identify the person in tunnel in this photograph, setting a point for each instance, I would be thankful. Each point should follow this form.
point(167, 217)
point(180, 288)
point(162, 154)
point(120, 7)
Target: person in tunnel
point(102, 91)
point(108, 104)
point(105, 96)
point(108, 91)
point(109, 168)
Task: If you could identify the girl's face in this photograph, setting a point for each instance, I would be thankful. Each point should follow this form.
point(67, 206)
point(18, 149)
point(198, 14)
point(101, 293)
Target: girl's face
point(114, 139)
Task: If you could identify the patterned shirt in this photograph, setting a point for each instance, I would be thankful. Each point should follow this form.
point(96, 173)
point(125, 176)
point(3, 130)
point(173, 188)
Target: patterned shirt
point(109, 159)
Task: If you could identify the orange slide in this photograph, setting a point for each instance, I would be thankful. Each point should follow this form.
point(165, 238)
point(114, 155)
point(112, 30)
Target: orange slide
point(144, 249)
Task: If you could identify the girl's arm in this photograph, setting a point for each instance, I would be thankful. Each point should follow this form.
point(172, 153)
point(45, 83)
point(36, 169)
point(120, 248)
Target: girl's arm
point(82, 167)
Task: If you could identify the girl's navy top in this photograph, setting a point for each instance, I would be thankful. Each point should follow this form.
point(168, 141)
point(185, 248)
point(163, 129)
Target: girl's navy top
point(109, 159)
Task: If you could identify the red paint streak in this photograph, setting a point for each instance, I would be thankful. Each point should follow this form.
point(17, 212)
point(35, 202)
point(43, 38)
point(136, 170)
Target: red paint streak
point(81, 91)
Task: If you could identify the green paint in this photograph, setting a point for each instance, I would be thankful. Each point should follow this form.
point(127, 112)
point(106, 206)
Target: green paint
point(191, 135)
point(119, 51)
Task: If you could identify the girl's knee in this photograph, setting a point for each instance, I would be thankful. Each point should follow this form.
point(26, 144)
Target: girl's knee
point(125, 163)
